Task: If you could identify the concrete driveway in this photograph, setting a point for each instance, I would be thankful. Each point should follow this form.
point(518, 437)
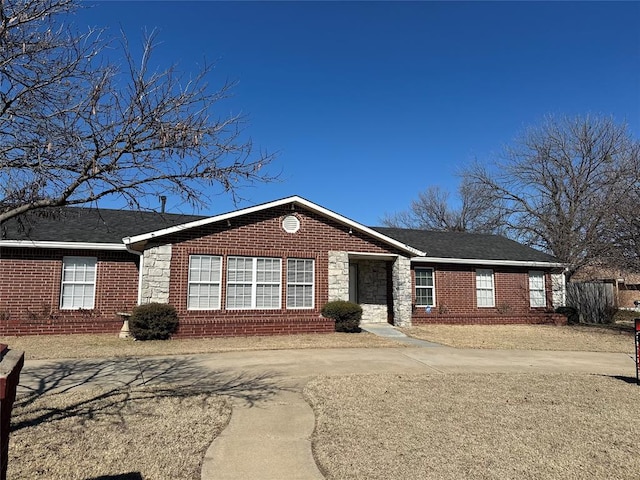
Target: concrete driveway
point(271, 425)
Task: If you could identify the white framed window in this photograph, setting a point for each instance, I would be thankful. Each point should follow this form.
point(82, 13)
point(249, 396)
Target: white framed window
point(537, 294)
point(253, 282)
point(203, 292)
point(300, 283)
point(425, 291)
point(485, 292)
point(78, 283)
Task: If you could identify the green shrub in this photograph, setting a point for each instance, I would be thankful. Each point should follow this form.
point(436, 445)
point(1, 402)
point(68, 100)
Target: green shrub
point(573, 317)
point(153, 321)
point(346, 314)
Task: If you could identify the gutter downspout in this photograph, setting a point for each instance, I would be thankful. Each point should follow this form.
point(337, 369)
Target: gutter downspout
point(141, 264)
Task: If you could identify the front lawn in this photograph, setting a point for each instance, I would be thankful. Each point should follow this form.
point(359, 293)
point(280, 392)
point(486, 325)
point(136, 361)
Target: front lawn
point(583, 338)
point(138, 433)
point(476, 426)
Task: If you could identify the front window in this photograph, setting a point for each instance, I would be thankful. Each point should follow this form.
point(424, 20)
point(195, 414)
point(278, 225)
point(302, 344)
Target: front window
point(424, 287)
point(78, 283)
point(537, 295)
point(253, 283)
point(300, 275)
point(204, 282)
point(484, 288)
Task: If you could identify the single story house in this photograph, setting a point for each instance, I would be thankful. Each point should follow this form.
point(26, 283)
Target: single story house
point(267, 269)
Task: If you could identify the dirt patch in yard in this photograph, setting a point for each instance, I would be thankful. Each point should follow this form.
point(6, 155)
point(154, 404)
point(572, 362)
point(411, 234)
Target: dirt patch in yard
point(527, 337)
point(85, 434)
point(508, 426)
point(105, 346)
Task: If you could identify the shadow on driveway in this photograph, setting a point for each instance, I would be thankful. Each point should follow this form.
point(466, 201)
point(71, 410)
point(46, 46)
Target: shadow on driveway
point(174, 377)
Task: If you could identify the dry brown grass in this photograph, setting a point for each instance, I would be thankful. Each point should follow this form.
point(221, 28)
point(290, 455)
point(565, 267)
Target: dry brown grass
point(158, 433)
point(105, 346)
point(527, 337)
point(476, 426)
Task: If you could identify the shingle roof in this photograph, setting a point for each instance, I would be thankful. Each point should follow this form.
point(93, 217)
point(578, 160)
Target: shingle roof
point(466, 245)
point(73, 224)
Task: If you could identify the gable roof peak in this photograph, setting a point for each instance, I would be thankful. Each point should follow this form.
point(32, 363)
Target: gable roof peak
point(294, 200)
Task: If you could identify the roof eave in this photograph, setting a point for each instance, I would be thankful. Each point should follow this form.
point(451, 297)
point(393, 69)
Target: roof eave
point(63, 245)
point(483, 261)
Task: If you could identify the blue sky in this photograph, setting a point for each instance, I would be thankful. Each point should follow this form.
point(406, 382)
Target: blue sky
point(370, 103)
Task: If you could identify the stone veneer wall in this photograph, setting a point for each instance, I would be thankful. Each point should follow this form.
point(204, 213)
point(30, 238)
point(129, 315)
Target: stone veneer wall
point(338, 288)
point(402, 292)
point(156, 272)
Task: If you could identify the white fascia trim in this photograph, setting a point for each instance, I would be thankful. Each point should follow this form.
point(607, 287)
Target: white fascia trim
point(65, 245)
point(296, 200)
point(475, 261)
point(367, 255)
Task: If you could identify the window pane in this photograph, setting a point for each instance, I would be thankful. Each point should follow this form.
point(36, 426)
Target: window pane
point(424, 287)
point(239, 296)
point(203, 296)
point(424, 297)
point(484, 288)
point(300, 296)
point(267, 296)
point(268, 270)
point(537, 298)
point(537, 294)
point(78, 282)
point(300, 280)
point(240, 270)
point(424, 278)
point(204, 282)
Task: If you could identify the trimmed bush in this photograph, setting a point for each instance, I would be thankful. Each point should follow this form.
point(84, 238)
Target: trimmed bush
point(573, 317)
point(346, 314)
point(153, 321)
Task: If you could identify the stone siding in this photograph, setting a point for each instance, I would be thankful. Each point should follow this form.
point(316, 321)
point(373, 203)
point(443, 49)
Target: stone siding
point(156, 272)
point(402, 292)
point(338, 288)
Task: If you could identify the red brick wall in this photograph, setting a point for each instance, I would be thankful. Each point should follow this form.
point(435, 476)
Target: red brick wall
point(456, 297)
point(627, 297)
point(30, 282)
point(261, 234)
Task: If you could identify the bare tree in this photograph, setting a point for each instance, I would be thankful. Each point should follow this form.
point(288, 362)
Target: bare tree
point(561, 184)
point(77, 126)
point(433, 211)
point(625, 236)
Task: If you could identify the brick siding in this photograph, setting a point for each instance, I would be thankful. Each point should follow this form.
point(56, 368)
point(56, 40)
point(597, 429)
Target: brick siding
point(30, 292)
point(455, 301)
point(30, 282)
point(261, 235)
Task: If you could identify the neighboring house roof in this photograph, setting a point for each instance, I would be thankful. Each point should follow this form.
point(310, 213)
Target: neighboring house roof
point(464, 247)
point(604, 272)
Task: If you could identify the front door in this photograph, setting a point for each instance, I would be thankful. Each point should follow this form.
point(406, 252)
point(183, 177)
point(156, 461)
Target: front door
point(353, 283)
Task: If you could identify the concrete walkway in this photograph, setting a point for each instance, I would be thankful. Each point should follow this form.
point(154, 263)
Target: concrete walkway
point(388, 331)
point(271, 424)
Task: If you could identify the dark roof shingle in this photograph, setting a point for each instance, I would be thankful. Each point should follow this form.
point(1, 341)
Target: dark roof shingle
point(466, 245)
point(73, 224)
point(90, 225)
